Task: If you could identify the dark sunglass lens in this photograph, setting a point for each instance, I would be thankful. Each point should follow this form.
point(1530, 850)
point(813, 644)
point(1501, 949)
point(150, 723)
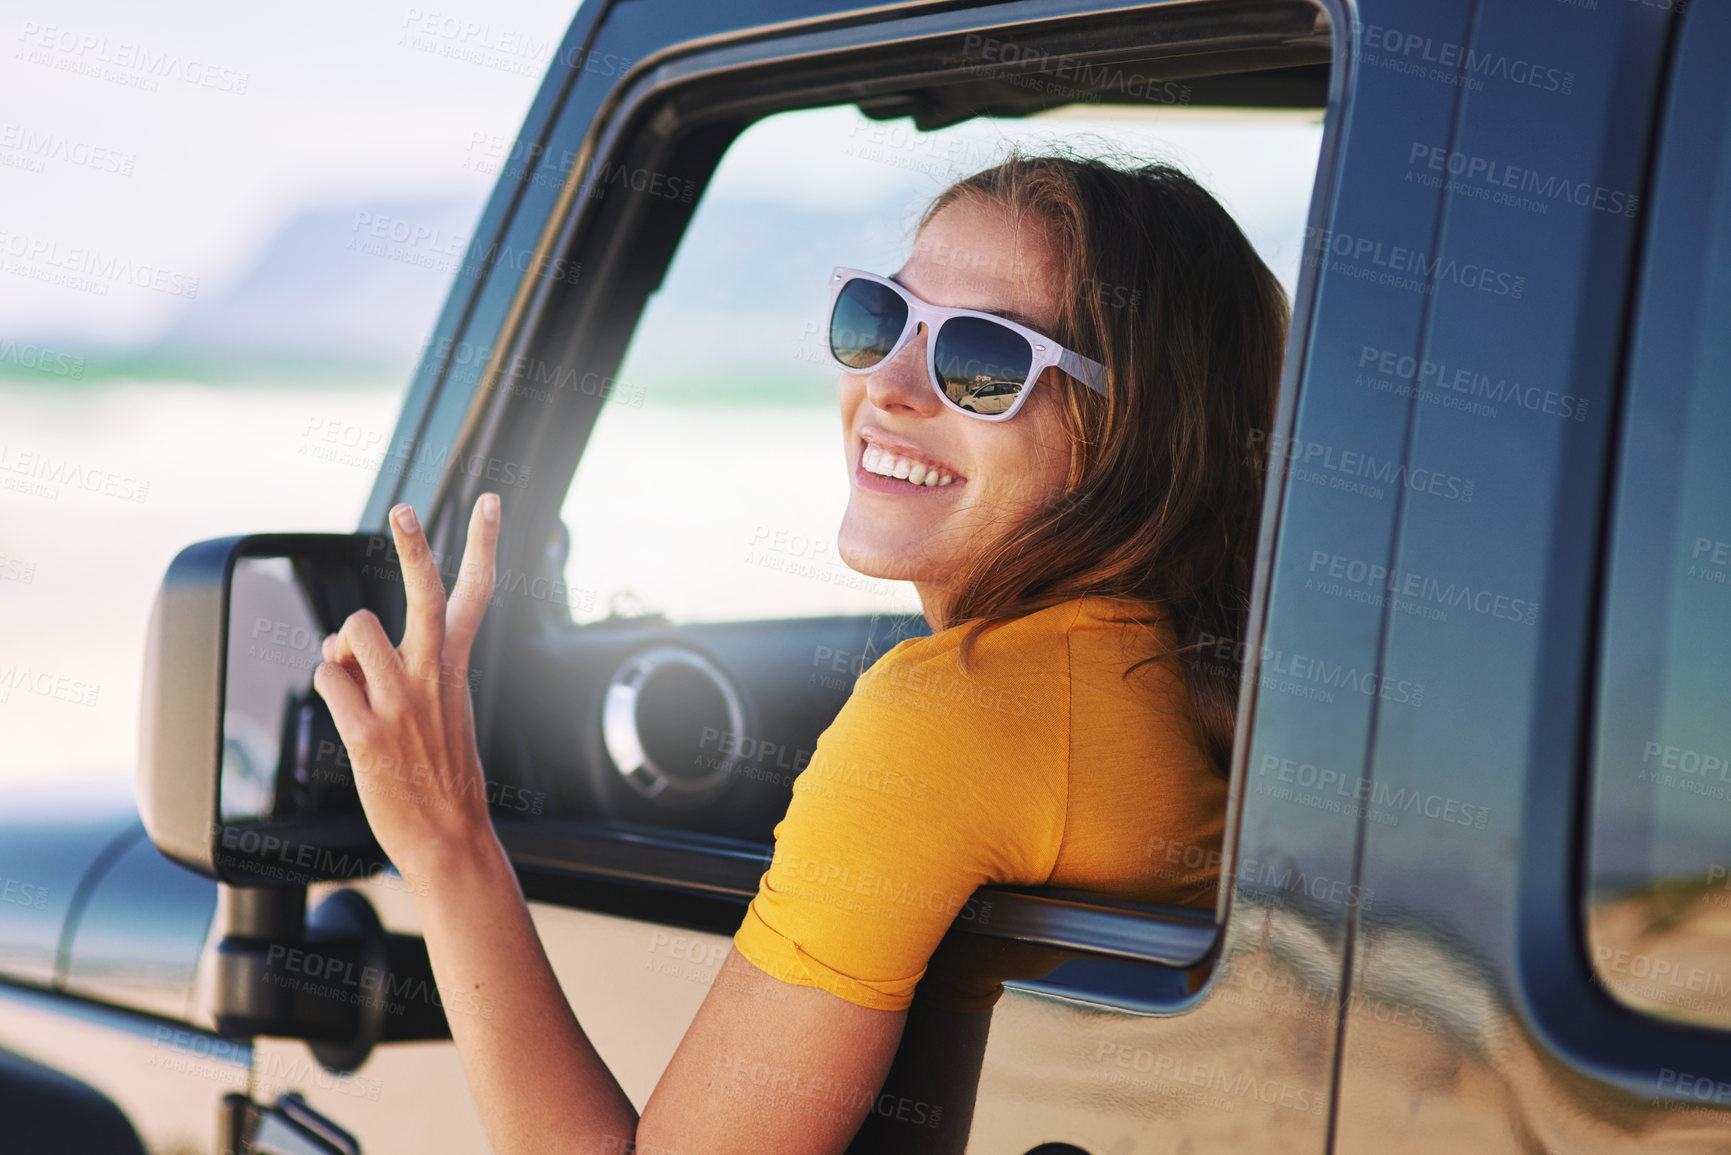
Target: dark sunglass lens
point(868, 318)
point(982, 364)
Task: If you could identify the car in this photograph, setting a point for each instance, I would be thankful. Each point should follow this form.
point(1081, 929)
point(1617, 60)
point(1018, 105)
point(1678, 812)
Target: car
point(1474, 875)
point(988, 396)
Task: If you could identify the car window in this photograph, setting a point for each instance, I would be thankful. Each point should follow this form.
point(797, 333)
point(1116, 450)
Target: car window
point(714, 481)
point(1659, 867)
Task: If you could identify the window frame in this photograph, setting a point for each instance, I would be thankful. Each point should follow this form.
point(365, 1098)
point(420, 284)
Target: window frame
point(1649, 356)
point(1553, 976)
point(701, 881)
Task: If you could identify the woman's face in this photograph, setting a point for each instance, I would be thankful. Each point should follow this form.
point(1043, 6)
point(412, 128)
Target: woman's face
point(970, 257)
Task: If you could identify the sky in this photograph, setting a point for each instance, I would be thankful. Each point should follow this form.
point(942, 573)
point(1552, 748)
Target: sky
point(182, 135)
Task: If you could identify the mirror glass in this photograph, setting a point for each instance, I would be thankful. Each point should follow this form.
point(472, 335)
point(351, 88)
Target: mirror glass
point(284, 770)
point(276, 731)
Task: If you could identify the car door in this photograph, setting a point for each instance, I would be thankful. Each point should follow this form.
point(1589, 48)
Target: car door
point(1570, 618)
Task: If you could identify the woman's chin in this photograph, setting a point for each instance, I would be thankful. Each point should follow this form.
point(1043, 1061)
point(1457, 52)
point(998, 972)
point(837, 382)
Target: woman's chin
point(887, 569)
point(887, 560)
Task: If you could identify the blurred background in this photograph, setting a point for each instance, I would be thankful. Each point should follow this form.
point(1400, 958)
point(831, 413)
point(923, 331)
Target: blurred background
point(226, 235)
point(188, 301)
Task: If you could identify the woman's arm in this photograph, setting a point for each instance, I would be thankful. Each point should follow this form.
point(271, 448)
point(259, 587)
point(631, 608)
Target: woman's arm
point(766, 1065)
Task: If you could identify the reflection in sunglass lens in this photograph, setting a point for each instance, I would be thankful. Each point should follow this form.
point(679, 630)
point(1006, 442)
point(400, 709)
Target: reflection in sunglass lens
point(981, 363)
point(868, 318)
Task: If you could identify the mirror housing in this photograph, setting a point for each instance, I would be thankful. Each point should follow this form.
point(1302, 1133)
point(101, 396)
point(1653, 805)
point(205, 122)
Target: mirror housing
point(242, 776)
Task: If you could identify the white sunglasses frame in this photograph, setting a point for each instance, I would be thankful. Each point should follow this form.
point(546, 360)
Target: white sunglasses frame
point(1046, 352)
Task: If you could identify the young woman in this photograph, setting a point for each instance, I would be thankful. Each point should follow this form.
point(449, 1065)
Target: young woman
point(1075, 496)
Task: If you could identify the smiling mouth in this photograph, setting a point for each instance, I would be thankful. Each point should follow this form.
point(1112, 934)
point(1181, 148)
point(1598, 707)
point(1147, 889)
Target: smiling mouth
point(884, 463)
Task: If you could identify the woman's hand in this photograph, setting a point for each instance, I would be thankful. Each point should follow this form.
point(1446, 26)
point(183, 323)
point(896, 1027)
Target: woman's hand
point(404, 711)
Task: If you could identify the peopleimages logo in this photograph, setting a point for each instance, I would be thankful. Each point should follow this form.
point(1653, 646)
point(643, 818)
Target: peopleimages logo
point(1377, 796)
point(1480, 170)
point(24, 894)
point(1355, 470)
point(993, 56)
point(95, 266)
point(342, 980)
point(1462, 64)
point(1469, 385)
point(1349, 574)
point(54, 472)
point(37, 147)
point(1285, 671)
point(40, 358)
point(1404, 267)
point(60, 687)
point(290, 859)
point(123, 61)
point(1222, 1080)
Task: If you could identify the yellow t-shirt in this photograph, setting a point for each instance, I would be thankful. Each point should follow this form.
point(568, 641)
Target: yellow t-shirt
point(1045, 768)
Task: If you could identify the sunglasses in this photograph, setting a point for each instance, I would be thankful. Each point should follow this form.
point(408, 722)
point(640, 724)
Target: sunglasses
point(978, 363)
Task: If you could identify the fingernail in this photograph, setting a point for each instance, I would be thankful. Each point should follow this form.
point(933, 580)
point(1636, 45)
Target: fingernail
point(490, 506)
point(404, 516)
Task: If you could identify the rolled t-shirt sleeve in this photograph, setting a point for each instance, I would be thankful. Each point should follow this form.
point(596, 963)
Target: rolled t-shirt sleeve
point(926, 786)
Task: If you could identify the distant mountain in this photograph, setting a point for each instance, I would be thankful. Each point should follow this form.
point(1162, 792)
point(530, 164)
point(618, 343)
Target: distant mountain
point(366, 282)
point(338, 282)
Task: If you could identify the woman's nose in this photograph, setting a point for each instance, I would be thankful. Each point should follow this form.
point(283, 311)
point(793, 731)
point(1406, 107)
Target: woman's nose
point(901, 382)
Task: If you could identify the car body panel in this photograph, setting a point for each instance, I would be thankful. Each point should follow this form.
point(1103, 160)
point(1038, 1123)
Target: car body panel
point(166, 1077)
point(138, 940)
point(46, 854)
point(1486, 921)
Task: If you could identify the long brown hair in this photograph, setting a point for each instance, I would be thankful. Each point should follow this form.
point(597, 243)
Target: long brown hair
point(1165, 485)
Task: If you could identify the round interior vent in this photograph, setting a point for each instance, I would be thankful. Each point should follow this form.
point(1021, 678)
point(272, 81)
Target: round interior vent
point(671, 723)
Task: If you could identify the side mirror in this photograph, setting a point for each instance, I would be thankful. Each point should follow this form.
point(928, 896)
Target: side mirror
point(242, 776)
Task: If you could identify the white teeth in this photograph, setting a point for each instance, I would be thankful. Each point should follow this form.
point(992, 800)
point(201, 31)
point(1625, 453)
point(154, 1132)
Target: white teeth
point(875, 460)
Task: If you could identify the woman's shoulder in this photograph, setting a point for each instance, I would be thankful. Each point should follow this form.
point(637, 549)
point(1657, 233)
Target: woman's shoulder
point(1045, 647)
point(925, 759)
point(1125, 616)
point(1005, 636)
point(1114, 635)
point(1015, 668)
point(1015, 639)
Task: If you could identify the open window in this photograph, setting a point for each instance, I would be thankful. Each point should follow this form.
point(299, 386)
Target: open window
point(699, 630)
point(712, 484)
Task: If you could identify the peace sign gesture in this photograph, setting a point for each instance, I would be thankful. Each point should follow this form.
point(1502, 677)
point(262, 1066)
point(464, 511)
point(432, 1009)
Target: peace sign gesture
point(404, 711)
